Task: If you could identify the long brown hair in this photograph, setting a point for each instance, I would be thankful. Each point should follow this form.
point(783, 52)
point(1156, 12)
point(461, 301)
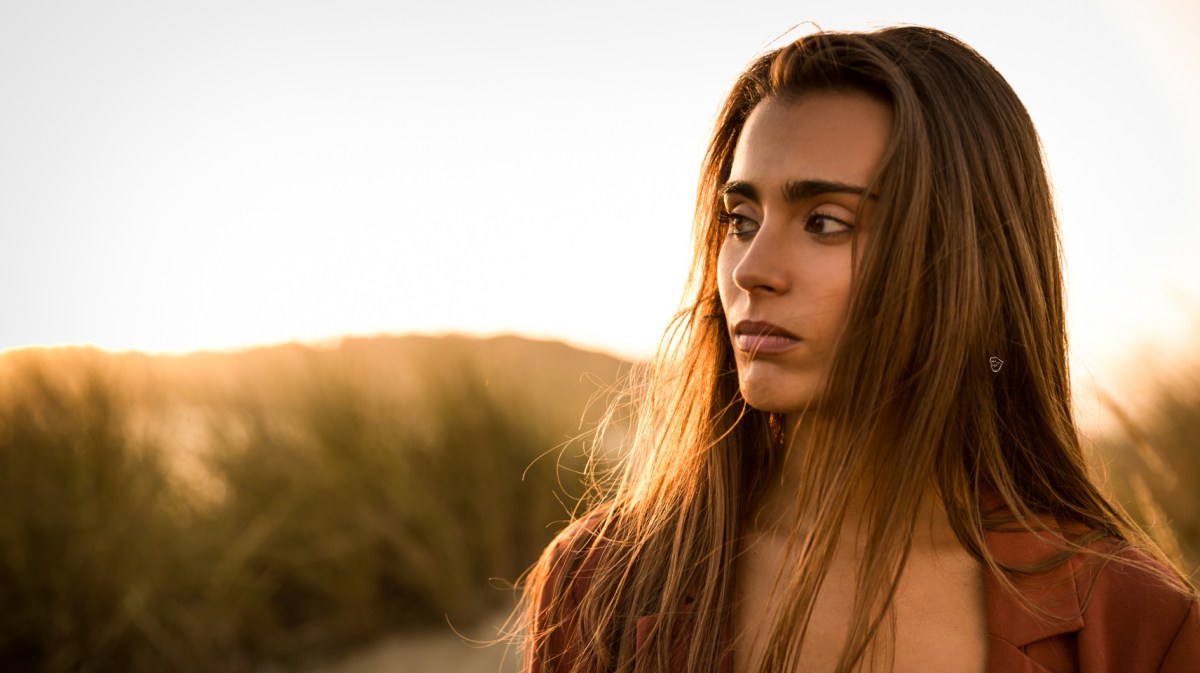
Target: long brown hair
point(963, 265)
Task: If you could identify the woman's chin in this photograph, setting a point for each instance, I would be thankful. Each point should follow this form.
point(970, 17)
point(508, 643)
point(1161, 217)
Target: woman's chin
point(778, 401)
point(781, 392)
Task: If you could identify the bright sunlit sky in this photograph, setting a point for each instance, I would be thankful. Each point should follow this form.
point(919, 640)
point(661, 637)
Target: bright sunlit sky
point(181, 176)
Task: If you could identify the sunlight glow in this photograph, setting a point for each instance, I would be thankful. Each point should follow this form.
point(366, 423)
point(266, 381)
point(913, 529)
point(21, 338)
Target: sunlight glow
point(217, 177)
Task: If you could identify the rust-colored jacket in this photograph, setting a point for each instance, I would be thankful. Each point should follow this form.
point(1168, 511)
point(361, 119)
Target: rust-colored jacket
point(1132, 622)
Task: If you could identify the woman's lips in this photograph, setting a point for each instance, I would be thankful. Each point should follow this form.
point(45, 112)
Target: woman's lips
point(756, 337)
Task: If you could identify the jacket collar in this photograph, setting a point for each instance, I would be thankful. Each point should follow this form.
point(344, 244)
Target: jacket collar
point(1054, 593)
point(1048, 603)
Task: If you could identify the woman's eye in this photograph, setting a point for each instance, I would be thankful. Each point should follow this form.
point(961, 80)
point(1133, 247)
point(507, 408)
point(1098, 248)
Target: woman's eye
point(826, 226)
point(739, 226)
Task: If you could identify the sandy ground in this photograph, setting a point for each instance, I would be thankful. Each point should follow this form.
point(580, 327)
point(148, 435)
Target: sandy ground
point(434, 651)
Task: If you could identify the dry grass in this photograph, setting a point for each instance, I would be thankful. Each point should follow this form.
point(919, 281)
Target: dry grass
point(221, 513)
point(1154, 457)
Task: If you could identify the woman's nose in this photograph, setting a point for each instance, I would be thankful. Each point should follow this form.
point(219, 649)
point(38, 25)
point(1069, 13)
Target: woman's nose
point(766, 265)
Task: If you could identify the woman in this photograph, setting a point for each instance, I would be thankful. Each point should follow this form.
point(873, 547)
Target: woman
point(856, 451)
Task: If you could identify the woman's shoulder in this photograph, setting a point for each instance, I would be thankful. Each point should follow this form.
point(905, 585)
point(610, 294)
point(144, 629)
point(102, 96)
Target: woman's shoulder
point(575, 550)
point(565, 572)
point(573, 559)
point(1138, 609)
point(1124, 573)
point(1111, 607)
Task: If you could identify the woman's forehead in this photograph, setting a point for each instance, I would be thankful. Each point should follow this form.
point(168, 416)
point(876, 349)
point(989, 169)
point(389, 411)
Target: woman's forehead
point(833, 136)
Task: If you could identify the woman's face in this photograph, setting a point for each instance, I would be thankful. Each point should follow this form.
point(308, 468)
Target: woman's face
point(799, 175)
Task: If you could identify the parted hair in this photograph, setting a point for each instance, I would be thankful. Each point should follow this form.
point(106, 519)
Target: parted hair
point(963, 264)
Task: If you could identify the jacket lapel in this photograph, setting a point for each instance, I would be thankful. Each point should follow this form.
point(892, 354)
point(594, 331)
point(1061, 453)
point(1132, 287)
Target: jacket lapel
point(1054, 596)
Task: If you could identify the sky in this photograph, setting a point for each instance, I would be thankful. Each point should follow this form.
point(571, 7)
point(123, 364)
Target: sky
point(183, 176)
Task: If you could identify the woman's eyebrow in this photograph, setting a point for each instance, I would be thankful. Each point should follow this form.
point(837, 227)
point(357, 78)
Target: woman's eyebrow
point(797, 190)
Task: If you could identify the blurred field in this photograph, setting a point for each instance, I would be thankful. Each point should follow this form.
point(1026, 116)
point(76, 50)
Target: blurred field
point(269, 509)
point(433, 650)
point(344, 509)
point(1151, 457)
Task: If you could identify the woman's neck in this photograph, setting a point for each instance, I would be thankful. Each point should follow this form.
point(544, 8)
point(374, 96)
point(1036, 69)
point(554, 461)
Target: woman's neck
point(775, 509)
